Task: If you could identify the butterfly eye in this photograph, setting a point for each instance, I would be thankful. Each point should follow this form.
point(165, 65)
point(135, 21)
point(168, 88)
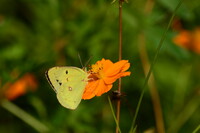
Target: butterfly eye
point(66, 72)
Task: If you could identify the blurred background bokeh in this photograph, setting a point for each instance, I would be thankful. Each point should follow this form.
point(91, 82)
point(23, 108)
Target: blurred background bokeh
point(38, 34)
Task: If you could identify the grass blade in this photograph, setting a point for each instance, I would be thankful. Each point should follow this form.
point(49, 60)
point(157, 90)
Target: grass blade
point(37, 125)
point(153, 63)
point(197, 129)
point(113, 113)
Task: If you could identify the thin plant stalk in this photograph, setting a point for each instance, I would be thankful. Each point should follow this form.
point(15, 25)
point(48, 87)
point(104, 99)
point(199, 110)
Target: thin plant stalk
point(116, 121)
point(120, 57)
point(197, 129)
point(151, 84)
point(27, 118)
point(153, 63)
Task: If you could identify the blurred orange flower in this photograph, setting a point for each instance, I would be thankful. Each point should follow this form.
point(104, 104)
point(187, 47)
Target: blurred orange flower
point(102, 75)
point(189, 40)
point(20, 87)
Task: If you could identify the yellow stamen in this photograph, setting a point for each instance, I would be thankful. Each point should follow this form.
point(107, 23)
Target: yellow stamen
point(97, 71)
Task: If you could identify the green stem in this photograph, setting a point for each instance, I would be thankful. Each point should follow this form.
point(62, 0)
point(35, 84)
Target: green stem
point(153, 63)
point(37, 125)
point(116, 121)
point(197, 129)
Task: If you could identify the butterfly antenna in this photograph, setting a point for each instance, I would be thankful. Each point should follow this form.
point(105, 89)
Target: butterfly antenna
point(80, 60)
point(88, 61)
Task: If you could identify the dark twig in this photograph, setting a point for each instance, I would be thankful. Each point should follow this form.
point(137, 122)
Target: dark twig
point(120, 57)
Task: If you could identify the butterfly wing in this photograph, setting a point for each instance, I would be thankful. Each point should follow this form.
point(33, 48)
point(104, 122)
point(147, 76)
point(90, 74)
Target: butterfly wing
point(69, 84)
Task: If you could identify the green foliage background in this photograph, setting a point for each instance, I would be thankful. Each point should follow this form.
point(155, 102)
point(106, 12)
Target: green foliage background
point(36, 35)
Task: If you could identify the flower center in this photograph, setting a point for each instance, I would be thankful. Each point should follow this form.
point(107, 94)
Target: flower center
point(97, 71)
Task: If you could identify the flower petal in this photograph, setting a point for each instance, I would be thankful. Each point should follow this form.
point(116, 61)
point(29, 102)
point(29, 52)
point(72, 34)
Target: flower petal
point(106, 64)
point(101, 87)
point(183, 39)
point(16, 89)
point(108, 88)
point(125, 67)
point(196, 41)
point(89, 90)
point(117, 67)
point(112, 79)
point(125, 74)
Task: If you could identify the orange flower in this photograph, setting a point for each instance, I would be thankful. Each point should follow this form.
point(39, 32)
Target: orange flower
point(196, 40)
point(183, 39)
point(189, 40)
point(20, 87)
point(102, 75)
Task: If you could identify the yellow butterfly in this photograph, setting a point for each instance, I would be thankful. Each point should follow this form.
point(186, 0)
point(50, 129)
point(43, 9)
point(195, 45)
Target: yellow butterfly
point(68, 83)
